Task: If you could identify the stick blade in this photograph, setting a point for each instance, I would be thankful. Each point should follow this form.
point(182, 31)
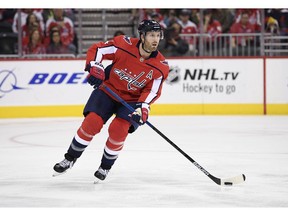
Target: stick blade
point(233, 180)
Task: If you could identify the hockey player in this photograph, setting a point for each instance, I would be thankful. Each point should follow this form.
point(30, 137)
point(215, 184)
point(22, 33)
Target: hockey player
point(136, 74)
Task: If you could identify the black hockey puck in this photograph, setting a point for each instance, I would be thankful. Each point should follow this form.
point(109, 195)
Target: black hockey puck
point(228, 183)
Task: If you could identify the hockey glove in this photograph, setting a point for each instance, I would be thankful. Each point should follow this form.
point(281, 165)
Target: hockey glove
point(96, 74)
point(140, 115)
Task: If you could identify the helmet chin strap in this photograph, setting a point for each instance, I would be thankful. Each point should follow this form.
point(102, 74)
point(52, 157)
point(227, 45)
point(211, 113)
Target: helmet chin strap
point(145, 49)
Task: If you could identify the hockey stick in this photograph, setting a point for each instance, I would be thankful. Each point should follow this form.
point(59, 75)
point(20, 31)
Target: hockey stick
point(227, 181)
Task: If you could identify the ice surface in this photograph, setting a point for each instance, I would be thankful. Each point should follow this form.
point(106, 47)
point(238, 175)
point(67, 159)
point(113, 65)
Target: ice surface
point(149, 171)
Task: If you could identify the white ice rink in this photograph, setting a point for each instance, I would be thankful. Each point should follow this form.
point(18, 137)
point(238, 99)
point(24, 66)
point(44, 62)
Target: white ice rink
point(149, 171)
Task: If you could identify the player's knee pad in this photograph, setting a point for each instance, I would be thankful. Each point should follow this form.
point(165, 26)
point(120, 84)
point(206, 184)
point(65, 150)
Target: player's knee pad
point(118, 129)
point(92, 124)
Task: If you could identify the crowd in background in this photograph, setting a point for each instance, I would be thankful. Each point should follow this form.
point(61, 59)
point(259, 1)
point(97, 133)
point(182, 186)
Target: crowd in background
point(48, 31)
point(51, 31)
point(181, 24)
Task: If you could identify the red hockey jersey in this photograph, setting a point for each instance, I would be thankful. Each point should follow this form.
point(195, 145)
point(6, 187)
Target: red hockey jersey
point(132, 77)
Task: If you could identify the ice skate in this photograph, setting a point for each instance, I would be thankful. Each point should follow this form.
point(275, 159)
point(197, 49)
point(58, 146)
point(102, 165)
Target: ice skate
point(101, 174)
point(62, 167)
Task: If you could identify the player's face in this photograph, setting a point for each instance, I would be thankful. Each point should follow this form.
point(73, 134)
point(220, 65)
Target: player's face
point(152, 40)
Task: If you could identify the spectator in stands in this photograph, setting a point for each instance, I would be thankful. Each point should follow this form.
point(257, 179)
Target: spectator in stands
point(118, 32)
point(170, 18)
point(48, 13)
point(195, 16)
point(64, 25)
point(6, 19)
point(211, 25)
point(281, 15)
point(31, 23)
point(225, 17)
point(277, 24)
point(140, 14)
point(24, 13)
point(173, 44)
point(188, 28)
point(8, 39)
point(157, 17)
point(272, 26)
point(147, 12)
point(34, 45)
point(242, 43)
point(55, 45)
point(253, 17)
point(70, 13)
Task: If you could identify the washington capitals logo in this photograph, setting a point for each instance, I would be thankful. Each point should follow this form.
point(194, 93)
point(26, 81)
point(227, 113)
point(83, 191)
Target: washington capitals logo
point(127, 40)
point(8, 82)
point(132, 80)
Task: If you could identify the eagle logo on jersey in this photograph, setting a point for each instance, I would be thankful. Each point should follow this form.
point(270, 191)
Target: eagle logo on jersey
point(132, 80)
point(127, 40)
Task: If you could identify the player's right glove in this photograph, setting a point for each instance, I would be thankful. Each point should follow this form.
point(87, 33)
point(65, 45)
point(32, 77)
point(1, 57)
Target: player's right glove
point(96, 74)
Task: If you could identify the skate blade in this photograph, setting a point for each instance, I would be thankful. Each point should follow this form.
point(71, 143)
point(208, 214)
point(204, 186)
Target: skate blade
point(97, 181)
point(57, 174)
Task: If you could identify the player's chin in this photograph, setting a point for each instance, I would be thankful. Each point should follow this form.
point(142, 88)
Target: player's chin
point(154, 48)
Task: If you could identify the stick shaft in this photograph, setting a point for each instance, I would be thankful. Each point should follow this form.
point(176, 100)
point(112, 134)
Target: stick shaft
point(216, 180)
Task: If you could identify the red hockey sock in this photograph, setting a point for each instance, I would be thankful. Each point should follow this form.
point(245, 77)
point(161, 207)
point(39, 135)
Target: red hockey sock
point(91, 125)
point(118, 131)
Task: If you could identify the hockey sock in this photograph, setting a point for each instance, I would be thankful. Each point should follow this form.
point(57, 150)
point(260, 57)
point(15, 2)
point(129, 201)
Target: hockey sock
point(118, 131)
point(91, 125)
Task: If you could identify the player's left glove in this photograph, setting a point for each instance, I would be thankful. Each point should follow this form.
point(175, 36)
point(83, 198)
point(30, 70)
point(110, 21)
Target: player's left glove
point(140, 115)
point(96, 73)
